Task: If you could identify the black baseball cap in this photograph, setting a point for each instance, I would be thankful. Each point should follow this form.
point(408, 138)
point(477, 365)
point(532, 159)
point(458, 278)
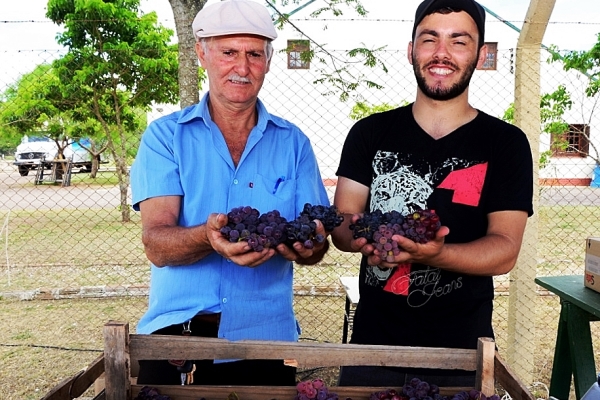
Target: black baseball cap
point(474, 9)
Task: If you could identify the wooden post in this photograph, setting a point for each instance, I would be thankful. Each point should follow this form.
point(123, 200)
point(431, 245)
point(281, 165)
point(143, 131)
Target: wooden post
point(486, 350)
point(523, 291)
point(117, 361)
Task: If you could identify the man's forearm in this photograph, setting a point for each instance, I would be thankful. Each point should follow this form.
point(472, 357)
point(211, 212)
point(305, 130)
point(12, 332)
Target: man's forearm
point(175, 245)
point(489, 256)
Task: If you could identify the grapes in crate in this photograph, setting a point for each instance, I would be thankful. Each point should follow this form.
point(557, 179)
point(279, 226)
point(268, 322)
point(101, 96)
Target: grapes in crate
point(259, 230)
point(150, 393)
point(314, 390)
point(417, 389)
point(379, 227)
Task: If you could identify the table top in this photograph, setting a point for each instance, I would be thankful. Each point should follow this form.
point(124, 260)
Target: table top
point(350, 285)
point(571, 288)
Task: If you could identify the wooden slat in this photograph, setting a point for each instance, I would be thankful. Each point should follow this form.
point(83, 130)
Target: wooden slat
point(75, 386)
point(122, 348)
point(61, 390)
point(100, 396)
point(509, 381)
point(116, 361)
point(308, 355)
point(484, 379)
point(265, 393)
point(89, 376)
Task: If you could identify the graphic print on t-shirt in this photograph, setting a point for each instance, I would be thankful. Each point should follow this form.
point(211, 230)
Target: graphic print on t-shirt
point(404, 184)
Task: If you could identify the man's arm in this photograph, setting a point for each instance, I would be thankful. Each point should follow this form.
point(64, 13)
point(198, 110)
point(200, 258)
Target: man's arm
point(351, 199)
point(167, 243)
point(494, 254)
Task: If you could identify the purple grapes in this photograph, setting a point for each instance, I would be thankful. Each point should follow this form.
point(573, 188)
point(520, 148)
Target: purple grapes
point(150, 393)
point(270, 229)
point(417, 389)
point(379, 227)
point(260, 231)
point(314, 390)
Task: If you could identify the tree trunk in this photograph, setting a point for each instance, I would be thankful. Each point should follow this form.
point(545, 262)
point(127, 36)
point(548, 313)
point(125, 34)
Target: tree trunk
point(184, 12)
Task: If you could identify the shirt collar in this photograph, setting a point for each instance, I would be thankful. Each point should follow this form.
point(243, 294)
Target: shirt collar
point(200, 111)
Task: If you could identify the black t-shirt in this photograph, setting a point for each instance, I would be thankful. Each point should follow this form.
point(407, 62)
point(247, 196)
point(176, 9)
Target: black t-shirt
point(481, 167)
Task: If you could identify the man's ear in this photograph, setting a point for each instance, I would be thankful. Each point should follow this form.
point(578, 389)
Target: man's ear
point(409, 52)
point(200, 52)
point(483, 51)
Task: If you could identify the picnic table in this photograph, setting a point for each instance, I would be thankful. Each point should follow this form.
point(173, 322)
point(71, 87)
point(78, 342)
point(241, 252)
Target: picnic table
point(573, 354)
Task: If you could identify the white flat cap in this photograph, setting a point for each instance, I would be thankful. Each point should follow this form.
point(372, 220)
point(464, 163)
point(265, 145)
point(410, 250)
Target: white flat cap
point(231, 17)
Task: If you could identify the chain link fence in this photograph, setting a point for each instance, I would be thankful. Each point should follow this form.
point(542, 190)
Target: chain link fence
point(69, 263)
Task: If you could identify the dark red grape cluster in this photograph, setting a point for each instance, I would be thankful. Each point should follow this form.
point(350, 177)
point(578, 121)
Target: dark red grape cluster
point(473, 395)
point(379, 227)
point(418, 389)
point(270, 229)
point(150, 393)
point(314, 390)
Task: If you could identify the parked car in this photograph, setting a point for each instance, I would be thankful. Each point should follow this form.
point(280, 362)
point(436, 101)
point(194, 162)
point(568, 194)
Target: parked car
point(34, 149)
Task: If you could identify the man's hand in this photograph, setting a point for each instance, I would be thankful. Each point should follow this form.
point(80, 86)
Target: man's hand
point(240, 252)
point(411, 252)
point(300, 254)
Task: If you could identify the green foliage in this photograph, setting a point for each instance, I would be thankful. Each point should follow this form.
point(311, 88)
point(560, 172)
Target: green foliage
point(362, 109)
point(335, 71)
point(587, 62)
point(119, 62)
point(332, 6)
point(552, 109)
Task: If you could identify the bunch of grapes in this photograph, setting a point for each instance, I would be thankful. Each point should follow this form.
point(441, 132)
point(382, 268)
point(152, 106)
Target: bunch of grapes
point(328, 215)
point(379, 227)
point(314, 390)
point(260, 231)
point(417, 389)
point(473, 395)
point(270, 229)
point(150, 393)
point(303, 229)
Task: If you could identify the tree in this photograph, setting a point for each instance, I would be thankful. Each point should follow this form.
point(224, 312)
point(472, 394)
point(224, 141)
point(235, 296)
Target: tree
point(118, 63)
point(184, 12)
point(334, 71)
point(552, 109)
point(586, 62)
point(34, 103)
point(362, 109)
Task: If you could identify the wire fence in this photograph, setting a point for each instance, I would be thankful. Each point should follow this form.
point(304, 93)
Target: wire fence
point(70, 264)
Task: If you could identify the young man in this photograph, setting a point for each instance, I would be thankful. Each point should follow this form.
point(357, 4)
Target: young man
point(195, 165)
point(437, 153)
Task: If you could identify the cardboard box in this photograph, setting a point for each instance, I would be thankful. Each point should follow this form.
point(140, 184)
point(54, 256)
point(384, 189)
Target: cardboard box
point(592, 264)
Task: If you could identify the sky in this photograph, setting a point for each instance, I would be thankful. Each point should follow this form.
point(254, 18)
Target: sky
point(26, 34)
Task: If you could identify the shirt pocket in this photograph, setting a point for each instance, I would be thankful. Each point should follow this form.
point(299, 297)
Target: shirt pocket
point(269, 193)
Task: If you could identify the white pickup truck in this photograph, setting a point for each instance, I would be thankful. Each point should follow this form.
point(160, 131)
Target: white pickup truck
point(33, 149)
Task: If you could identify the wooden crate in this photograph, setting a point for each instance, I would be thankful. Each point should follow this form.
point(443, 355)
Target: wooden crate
point(123, 350)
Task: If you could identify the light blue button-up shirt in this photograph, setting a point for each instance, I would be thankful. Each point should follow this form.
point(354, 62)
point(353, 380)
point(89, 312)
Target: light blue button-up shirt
point(185, 154)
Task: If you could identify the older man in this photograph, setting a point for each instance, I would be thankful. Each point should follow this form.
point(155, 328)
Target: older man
point(191, 168)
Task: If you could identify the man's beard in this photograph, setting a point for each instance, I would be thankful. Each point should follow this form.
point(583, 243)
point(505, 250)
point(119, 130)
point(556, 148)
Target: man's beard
point(439, 93)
